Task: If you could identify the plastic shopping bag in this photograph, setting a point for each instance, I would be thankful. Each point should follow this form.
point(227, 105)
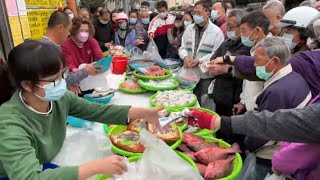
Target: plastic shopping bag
point(136, 53)
point(248, 169)
point(92, 82)
point(83, 146)
point(187, 77)
point(159, 162)
point(275, 177)
point(152, 52)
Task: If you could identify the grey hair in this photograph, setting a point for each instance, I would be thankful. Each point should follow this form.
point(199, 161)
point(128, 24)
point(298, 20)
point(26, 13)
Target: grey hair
point(275, 47)
point(275, 5)
point(238, 13)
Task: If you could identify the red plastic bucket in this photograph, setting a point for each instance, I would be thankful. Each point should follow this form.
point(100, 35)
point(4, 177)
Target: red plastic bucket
point(119, 64)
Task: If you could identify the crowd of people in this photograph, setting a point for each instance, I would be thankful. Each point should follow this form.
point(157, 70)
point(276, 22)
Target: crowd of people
point(259, 70)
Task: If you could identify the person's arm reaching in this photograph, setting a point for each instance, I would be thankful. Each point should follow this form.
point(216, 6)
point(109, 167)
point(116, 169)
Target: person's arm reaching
point(292, 125)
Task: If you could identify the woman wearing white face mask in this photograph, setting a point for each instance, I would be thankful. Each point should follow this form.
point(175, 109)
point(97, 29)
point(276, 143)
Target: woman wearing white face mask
point(297, 24)
point(124, 36)
point(81, 47)
point(33, 120)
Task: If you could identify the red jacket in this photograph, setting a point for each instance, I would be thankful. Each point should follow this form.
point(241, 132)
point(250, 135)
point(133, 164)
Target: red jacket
point(74, 56)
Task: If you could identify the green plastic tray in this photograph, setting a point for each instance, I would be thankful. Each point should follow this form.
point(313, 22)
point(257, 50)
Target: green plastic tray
point(139, 76)
point(118, 129)
point(237, 166)
point(202, 132)
point(153, 88)
point(106, 128)
point(132, 91)
point(153, 104)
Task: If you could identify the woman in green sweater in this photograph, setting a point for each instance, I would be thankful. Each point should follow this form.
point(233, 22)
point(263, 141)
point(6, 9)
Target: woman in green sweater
point(33, 121)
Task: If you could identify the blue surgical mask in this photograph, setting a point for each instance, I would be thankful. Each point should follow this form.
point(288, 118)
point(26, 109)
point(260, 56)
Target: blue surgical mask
point(232, 35)
point(132, 21)
point(198, 19)
point(246, 40)
point(214, 14)
point(54, 92)
point(288, 39)
point(262, 73)
point(145, 21)
point(163, 15)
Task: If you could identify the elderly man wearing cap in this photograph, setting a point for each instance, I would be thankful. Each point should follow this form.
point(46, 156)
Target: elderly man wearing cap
point(124, 36)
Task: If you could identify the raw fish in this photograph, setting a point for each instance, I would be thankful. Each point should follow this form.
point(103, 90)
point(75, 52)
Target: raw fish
point(190, 155)
point(202, 168)
point(219, 169)
point(208, 155)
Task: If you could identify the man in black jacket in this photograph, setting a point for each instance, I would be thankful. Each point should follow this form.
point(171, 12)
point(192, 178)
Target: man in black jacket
point(227, 89)
point(104, 33)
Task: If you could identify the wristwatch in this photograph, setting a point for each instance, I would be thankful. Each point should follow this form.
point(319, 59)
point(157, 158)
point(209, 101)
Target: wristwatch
point(226, 59)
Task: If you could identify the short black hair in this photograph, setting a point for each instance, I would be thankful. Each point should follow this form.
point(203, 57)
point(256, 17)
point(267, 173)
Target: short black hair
point(58, 18)
point(145, 3)
point(162, 4)
point(66, 8)
point(32, 60)
point(204, 4)
point(104, 11)
point(257, 19)
point(153, 15)
point(223, 4)
point(134, 12)
point(232, 2)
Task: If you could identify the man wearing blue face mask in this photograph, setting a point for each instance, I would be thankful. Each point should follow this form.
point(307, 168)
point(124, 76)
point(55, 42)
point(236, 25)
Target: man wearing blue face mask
point(227, 89)
point(159, 26)
point(104, 33)
point(283, 89)
point(141, 28)
point(218, 15)
point(199, 42)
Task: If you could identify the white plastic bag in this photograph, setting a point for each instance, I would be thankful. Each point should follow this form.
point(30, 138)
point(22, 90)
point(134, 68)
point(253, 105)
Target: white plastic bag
point(248, 170)
point(136, 53)
point(92, 82)
point(275, 177)
point(81, 147)
point(187, 76)
point(152, 52)
point(159, 162)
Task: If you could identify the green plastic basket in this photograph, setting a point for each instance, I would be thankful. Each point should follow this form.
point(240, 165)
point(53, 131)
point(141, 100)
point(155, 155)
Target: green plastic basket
point(118, 129)
point(153, 88)
point(153, 104)
point(106, 128)
point(237, 166)
point(202, 132)
point(139, 76)
point(129, 91)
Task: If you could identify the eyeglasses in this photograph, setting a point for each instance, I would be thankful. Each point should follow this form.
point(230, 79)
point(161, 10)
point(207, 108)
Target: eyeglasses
point(63, 75)
point(232, 28)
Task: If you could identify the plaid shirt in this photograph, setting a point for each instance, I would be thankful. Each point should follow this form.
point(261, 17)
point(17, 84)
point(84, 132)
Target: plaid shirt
point(198, 37)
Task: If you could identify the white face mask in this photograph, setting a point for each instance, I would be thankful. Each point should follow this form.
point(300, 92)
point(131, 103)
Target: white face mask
point(187, 23)
point(71, 16)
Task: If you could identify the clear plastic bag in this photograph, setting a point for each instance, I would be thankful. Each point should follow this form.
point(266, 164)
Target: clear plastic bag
point(248, 170)
point(275, 177)
point(159, 162)
point(187, 77)
point(81, 147)
point(136, 53)
point(152, 52)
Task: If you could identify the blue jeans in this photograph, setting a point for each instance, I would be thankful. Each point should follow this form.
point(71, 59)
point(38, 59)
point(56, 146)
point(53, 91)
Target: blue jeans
point(45, 166)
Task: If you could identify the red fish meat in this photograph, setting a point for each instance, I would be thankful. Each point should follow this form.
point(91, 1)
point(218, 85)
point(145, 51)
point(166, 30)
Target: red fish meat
point(184, 148)
point(208, 155)
point(202, 168)
point(196, 143)
point(219, 169)
point(190, 155)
